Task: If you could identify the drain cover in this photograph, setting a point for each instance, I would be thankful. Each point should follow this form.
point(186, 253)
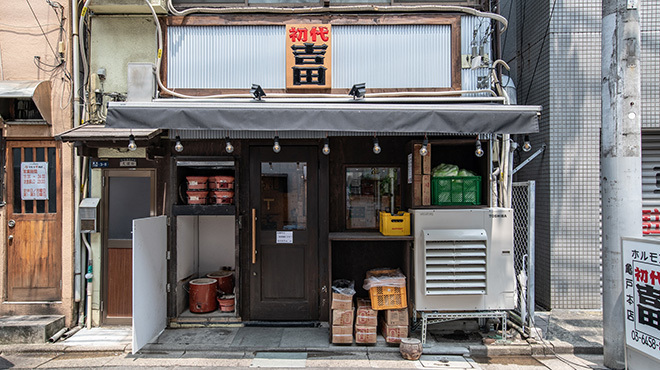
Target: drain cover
point(279, 359)
point(448, 362)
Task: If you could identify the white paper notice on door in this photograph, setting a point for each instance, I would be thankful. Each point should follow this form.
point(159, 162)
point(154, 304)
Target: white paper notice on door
point(34, 180)
point(284, 237)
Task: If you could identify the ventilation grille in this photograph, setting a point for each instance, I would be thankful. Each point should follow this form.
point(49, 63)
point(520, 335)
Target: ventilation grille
point(455, 264)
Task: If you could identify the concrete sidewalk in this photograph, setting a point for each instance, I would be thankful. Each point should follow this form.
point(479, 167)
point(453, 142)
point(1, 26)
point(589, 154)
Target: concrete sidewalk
point(563, 332)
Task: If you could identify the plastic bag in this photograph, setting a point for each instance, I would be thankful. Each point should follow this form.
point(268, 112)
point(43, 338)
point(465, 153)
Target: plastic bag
point(445, 170)
point(343, 286)
point(384, 277)
point(464, 172)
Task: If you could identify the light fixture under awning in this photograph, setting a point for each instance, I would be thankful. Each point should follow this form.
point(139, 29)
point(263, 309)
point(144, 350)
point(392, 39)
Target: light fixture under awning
point(321, 118)
point(25, 102)
point(90, 132)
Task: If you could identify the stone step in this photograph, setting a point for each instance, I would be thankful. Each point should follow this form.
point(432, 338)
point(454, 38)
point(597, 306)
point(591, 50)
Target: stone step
point(29, 328)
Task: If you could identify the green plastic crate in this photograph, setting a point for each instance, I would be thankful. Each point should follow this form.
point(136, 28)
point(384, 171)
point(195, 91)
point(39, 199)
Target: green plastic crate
point(453, 191)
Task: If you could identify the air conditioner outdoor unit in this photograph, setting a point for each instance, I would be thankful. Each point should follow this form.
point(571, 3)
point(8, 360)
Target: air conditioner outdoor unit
point(127, 6)
point(463, 259)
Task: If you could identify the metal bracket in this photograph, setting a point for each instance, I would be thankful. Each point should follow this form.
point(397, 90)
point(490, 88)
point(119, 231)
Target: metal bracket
point(438, 317)
point(531, 157)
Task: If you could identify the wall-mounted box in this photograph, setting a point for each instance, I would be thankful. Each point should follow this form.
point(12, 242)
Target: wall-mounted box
point(88, 213)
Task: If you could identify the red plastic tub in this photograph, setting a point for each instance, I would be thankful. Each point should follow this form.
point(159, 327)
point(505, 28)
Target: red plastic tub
point(221, 182)
point(221, 197)
point(197, 197)
point(197, 182)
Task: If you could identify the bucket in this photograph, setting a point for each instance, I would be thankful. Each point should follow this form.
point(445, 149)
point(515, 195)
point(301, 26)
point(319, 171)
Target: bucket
point(202, 295)
point(221, 182)
point(197, 182)
point(226, 303)
point(197, 197)
point(225, 281)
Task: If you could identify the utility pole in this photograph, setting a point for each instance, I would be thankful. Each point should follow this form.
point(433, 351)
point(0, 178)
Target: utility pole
point(621, 163)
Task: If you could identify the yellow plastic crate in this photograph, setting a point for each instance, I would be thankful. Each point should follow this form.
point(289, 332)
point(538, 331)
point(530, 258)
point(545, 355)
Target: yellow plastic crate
point(388, 298)
point(395, 225)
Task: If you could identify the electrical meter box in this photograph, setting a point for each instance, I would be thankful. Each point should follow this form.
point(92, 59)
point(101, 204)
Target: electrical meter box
point(88, 212)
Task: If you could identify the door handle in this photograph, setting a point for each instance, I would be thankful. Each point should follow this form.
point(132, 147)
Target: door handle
point(10, 238)
point(254, 236)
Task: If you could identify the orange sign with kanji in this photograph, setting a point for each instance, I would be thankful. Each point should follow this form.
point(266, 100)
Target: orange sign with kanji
point(308, 56)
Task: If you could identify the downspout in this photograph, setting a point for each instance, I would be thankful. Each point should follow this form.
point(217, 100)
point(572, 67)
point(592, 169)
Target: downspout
point(76, 160)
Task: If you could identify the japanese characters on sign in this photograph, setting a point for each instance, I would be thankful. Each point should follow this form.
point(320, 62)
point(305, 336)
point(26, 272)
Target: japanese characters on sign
point(308, 57)
point(641, 296)
point(34, 180)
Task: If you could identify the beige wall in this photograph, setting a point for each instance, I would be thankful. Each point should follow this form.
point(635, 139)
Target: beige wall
point(21, 39)
point(115, 42)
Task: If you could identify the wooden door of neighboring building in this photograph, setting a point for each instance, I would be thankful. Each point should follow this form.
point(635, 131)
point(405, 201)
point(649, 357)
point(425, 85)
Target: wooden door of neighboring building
point(34, 222)
point(128, 195)
point(284, 276)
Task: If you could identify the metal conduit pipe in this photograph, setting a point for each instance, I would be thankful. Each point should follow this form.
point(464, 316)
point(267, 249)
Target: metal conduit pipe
point(342, 9)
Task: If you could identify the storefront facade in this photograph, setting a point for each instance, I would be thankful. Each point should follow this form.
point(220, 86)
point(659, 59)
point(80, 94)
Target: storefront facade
point(311, 166)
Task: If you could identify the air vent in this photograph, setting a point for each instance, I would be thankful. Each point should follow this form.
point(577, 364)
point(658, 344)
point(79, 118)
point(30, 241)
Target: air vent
point(455, 262)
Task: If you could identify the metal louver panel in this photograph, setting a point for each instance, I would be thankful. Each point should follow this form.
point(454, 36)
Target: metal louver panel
point(651, 169)
point(455, 262)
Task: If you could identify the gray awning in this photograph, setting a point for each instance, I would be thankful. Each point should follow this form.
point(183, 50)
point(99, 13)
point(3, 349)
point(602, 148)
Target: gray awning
point(326, 118)
point(38, 91)
point(91, 132)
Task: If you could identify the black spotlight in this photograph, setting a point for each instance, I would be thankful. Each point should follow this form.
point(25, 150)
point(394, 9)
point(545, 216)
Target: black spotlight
point(257, 91)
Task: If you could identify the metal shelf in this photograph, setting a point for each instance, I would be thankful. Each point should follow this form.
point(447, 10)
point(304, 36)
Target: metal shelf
point(201, 210)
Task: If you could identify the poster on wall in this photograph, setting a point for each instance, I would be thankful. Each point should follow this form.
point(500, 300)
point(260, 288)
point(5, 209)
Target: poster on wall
point(641, 295)
point(308, 56)
point(34, 180)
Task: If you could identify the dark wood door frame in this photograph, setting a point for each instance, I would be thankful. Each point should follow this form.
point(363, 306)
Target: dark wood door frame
point(105, 258)
point(269, 308)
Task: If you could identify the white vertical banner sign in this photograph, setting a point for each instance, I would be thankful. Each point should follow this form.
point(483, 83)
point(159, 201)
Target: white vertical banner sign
point(34, 180)
point(641, 295)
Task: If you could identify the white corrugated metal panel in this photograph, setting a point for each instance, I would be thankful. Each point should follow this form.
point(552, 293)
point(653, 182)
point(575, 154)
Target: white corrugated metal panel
point(226, 57)
point(395, 56)
point(651, 169)
point(453, 264)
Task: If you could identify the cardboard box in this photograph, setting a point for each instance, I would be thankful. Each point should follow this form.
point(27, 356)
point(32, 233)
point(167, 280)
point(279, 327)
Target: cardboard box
point(341, 301)
point(393, 333)
point(426, 190)
point(365, 334)
point(343, 317)
point(365, 316)
point(342, 334)
point(421, 165)
point(395, 317)
point(417, 190)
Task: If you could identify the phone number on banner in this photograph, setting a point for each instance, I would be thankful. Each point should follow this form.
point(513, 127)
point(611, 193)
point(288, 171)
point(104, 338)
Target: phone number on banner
point(647, 340)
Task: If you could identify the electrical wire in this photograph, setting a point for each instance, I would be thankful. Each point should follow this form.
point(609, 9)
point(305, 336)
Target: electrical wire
point(545, 36)
point(41, 28)
point(551, 347)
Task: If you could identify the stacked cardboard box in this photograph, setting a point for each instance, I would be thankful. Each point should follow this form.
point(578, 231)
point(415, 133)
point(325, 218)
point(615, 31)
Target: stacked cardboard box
point(342, 318)
point(420, 175)
point(394, 325)
point(366, 322)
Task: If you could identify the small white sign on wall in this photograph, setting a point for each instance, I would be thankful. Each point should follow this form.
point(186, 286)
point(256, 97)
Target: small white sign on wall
point(641, 295)
point(284, 237)
point(34, 180)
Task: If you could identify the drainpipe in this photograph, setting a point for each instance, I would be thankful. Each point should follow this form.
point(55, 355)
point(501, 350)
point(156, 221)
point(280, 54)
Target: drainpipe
point(76, 160)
